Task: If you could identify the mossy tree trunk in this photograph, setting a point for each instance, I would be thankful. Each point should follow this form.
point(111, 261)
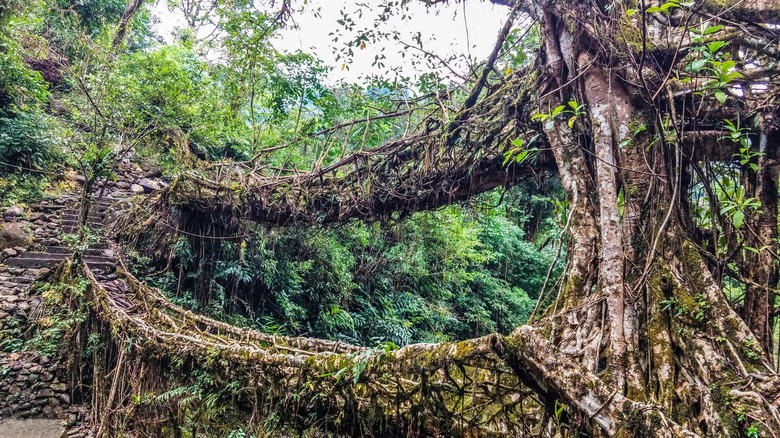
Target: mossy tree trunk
point(643, 303)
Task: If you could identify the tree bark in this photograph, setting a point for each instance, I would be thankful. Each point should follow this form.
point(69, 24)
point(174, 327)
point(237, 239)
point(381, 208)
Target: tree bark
point(124, 22)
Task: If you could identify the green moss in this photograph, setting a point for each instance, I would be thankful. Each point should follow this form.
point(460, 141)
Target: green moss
point(635, 422)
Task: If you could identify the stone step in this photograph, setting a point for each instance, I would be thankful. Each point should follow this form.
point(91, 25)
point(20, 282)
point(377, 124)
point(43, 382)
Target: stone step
point(75, 224)
point(39, 259)
point(16, 279)
point(74, 215)
point(102, 250)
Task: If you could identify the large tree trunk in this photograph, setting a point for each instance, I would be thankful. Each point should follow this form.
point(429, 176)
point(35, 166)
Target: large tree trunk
point(657, 325)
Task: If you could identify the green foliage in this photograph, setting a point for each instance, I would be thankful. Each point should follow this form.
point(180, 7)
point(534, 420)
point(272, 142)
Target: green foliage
point(66, 306)
point(27, 145)
point(450, 274)
point(11, 336)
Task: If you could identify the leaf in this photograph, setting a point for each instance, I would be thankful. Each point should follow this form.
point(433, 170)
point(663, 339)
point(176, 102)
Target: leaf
point(631, 12)
point(517, 142)
point(521, 156)
point(713, 29)
point(571, 121)
point(549, 124)
point(508, 156)
point(697, 65)
point(720, 95)
point(540, 116)
point(750, 248)
point(737, 219)
point(715, 46)
point(557, 110)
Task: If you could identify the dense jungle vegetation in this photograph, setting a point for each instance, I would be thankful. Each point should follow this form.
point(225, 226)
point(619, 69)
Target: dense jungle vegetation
point(72, 97)
point(574, 235)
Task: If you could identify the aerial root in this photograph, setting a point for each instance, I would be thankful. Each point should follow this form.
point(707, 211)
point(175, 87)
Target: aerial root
point(478, 384)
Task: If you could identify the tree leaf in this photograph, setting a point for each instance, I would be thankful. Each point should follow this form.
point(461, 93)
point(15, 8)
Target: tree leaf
point(737, 219)
point(720, 95)
point(698, 64)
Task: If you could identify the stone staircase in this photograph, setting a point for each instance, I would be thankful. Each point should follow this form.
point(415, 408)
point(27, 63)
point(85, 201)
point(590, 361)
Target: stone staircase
point(99, 256)
point(34, 386)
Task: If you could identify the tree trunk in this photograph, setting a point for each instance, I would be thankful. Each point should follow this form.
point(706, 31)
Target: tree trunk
point(657, 326)
point(124, 22)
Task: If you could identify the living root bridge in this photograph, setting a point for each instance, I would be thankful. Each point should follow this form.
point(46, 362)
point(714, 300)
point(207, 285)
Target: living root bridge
point(447, 162)
point(489, 386)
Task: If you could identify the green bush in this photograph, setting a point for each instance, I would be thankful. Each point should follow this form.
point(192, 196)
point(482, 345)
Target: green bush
point(451, 274)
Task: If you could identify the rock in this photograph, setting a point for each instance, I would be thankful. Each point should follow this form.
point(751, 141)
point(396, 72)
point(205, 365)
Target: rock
point(45, 393)
point(13, 235)
point(64, 398)
point(44, 360)
point(8, 252)
point(137, 190)
point(14, 390)
point(149, 167)
point(148, 185)
point(20, 249)
point(122, 185)
point(36, 216)
point(14, 211)
point(73, 176)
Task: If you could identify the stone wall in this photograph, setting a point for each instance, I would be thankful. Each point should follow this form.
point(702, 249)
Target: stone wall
point(32, 386)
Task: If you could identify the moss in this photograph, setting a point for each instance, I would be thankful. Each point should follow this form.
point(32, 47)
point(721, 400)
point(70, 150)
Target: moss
point(635, 422)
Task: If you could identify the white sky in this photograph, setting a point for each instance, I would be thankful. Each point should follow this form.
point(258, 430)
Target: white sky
point(443, 28)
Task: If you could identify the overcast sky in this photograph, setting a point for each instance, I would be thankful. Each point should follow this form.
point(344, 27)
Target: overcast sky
point(444, 31)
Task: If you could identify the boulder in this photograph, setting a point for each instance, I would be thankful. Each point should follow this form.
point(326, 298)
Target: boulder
point(136, 189)
point(149, 185)
point(8, 252)
point(73, 176)
point(149, 168)
point(14, 211)
point(12, 235)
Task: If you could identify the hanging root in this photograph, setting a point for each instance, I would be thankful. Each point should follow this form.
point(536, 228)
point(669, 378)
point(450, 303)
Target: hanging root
point(495, 385)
